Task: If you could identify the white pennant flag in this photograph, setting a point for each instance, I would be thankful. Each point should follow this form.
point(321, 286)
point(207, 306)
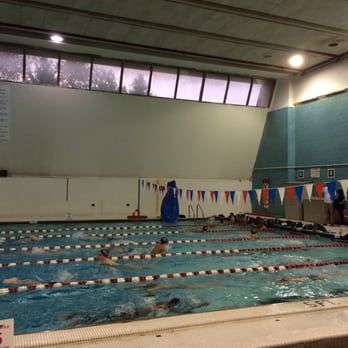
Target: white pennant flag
point(281, 191)
point(344, 184)
point(258, 194)
point(309, 190)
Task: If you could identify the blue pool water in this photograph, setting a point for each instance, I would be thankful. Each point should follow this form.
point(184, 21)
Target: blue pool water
point(83, 305)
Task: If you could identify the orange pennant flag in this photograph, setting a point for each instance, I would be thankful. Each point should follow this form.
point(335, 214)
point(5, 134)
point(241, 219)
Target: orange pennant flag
point(290, 191)
point(319, 189)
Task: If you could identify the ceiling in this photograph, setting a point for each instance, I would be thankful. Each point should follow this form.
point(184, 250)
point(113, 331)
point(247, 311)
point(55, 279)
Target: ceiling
point(254, 36)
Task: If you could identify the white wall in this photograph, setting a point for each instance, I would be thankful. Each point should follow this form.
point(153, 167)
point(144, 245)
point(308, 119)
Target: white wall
point(88, 198)
point(64, 132)
point(330, 79)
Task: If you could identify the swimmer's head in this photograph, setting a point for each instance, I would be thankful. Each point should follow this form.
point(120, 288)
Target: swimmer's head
point(164, 240)
point(173, 302)
point(104, 252)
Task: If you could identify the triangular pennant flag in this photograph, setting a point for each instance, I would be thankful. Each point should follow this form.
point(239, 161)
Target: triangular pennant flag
point(258, 195)
point(203, 195)
point(142, 183)
point(227, 196)
point(187, 194)
point(281, 191)
point(272, 193)
point(216, 195)
point(154, 186)
point(251, 195)
point(344, 184)
point(232, 196)
point(212, 196)
point(265, 198)
point(199, 195)
point(238, 196)
point(332, 188)
point(180, 193)
point(148, 185)
point(191, 194)
point(290, 192)
point(245, 195)
point(309, 190)
point(319, 189)
point(299, 191)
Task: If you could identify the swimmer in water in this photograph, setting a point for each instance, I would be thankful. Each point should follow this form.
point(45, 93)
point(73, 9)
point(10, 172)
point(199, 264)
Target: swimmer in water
point(105, 258)
point(152, 288)
point(76, 318)
point(30, 239)
point(160, 247)
point(15, 280)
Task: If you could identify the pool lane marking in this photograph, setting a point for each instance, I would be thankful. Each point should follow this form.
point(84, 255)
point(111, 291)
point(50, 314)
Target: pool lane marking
point(98, 235)
point(111, 245)
point(100, 228)
point(144, 278)
point(183, 253)
point(127, 234)
point(96, 228)
point(87, 229)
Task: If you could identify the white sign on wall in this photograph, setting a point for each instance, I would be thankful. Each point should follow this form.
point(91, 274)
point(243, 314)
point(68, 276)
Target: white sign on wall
point(4, 114)
point(6, 333)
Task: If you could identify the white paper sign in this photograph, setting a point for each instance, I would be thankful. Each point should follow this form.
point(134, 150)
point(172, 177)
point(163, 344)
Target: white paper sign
point(6, 333)
point(4, 114)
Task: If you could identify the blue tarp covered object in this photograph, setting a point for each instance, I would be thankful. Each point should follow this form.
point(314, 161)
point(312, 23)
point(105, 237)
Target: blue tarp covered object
point(170, 204)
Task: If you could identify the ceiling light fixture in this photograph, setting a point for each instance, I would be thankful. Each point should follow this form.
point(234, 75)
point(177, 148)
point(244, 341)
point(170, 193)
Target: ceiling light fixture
point(296, 60)
point(56, 38)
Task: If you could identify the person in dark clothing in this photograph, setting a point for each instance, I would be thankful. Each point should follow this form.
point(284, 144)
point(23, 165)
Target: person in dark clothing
point(339, 204)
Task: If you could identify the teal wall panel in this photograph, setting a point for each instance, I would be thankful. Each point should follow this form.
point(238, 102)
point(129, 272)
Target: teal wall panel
point(312, 135)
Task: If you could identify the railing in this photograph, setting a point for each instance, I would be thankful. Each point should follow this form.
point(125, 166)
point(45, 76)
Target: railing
point(190, 208)
point(199, 208)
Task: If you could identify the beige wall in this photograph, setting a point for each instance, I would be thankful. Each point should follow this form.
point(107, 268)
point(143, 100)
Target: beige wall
point(65, 132)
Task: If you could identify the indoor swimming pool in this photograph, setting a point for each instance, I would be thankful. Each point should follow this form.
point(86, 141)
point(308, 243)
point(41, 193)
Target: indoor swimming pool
point(209, 266)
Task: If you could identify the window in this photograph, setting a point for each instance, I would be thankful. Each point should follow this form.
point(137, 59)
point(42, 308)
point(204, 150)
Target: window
point(238, 90)
point(261, 93)
point(163, 82)
point(11, 66)
point(189, 86)
point(214, 88)
point(106, 77)
point(41, 70)
point(136, 80)
point(74, 74)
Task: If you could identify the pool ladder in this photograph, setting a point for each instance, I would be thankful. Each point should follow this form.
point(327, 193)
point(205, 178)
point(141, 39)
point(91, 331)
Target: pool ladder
point(198, 209)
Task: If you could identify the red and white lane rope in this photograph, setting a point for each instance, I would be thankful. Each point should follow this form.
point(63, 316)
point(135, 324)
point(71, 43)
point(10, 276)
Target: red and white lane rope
point(95, 228)
point(98, 235)
point(183, 253)
point(127, 234)
point(144, 278)
point(112, 245)
point(98, 228)
point(234, 230)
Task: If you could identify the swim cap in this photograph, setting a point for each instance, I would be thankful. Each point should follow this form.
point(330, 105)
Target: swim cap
point(104, 252)
point(164, 240)
point(173, 302)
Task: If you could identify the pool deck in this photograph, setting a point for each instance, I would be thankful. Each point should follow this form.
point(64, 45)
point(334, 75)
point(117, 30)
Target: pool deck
point(317, 323)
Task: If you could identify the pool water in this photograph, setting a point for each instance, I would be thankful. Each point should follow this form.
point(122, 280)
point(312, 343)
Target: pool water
point(190, 250)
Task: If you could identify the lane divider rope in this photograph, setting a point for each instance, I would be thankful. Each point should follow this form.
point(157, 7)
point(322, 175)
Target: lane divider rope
point(183, 253)
point(101, 228)
point(111, 245)
point(60, 229)
point(99, 235)
point(144, 278)
point(104, 235)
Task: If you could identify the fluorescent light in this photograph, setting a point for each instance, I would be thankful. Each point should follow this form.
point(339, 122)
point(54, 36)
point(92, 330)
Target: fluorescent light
point(56, 38)
point(296, 60)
